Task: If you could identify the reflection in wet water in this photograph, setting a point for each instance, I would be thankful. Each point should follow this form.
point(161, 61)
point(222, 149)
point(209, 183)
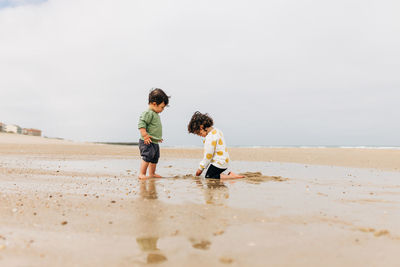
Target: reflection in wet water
point(148, 244)
point(155, 258)
point(148, 189)
point(215, 191)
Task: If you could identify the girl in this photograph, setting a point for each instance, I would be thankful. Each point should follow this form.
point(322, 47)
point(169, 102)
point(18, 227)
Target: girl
point(216, 156)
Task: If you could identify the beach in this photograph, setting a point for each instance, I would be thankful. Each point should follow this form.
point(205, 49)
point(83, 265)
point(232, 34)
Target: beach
point(66, 203)
point(383, 159)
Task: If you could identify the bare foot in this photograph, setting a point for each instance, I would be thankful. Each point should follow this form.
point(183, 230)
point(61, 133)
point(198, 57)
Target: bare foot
point(142, 176)
point(155, 175)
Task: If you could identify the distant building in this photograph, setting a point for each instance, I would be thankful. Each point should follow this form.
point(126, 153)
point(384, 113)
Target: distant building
point(34, 132)
point(12, 128)
point(2, 127)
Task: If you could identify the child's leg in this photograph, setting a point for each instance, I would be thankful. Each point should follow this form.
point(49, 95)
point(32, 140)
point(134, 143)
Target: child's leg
point(143, 169)
point(231, 175)
point(152, 171)
point(235, 175)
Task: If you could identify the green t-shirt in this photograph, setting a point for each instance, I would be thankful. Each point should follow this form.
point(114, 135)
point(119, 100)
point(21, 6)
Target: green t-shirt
point(151, 121)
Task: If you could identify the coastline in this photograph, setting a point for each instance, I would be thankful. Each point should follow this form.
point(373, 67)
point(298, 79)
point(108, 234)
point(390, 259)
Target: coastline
point(382, 159)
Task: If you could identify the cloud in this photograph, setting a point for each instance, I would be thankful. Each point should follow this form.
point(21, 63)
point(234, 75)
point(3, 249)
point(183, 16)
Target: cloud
point(277, 72)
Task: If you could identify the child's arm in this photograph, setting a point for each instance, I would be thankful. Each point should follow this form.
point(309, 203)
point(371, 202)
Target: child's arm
point(144, 121)
point(198, 172)
point(145, 135)
point(209, 150)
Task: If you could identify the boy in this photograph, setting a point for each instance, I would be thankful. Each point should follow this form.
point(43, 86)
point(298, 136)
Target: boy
point(216, 156)
point(151, 133)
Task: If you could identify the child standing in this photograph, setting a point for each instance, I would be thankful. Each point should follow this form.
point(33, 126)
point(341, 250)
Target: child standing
point(216, 156)
point(151, 133)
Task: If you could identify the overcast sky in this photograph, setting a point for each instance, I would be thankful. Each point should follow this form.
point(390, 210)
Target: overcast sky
point(270, 72)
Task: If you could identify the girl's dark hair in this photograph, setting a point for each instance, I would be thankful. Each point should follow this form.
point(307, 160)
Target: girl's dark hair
point(199, 119)
point(157, 95)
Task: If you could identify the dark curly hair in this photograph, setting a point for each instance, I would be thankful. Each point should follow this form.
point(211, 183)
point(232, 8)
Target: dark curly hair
point(157, 95)
point(199, 119)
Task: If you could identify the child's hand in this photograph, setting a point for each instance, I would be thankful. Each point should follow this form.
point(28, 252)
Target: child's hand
point(161, 140)
point(198, 172)
point(147, 139)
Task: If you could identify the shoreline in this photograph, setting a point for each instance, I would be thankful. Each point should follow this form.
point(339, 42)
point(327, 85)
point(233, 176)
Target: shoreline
point(382, 159)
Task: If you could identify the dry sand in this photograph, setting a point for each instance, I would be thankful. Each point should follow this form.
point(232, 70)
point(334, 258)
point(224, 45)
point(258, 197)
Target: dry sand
point(307, 215)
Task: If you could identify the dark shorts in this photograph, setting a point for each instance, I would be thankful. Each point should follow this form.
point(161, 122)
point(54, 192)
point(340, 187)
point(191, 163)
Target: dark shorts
point(149, 153)
point(214, 172)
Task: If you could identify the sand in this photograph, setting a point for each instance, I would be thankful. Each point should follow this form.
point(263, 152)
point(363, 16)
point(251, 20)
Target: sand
point(65, 203)
point(383, 159)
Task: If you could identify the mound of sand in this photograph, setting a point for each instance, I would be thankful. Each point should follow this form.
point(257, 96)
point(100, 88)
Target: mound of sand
point(258, 177)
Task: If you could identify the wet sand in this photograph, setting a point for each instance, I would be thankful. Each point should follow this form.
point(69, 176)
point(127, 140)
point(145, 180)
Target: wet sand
point(73, 204)
point(383, 159)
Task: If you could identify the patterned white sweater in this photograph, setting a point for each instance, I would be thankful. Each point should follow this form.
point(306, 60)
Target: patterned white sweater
point(215, 151)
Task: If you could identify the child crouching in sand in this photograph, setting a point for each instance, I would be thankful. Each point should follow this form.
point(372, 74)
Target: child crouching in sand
point(216, 156)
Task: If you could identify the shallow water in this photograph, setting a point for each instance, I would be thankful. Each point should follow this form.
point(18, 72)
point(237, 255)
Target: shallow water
point(305, 183)
point(241, 220)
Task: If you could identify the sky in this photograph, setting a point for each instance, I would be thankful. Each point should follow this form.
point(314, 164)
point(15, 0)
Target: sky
point(270, 73)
